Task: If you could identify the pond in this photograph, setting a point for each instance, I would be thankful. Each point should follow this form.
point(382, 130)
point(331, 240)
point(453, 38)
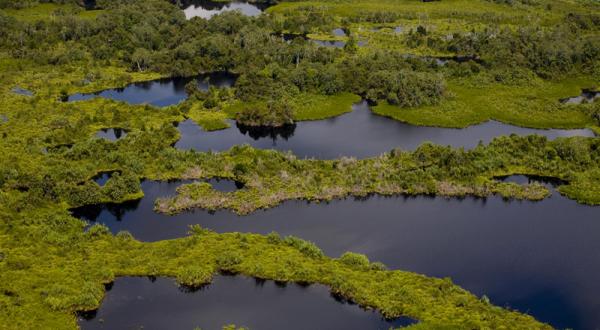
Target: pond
point(160, 92)
point(102, 177)
point(537, 257)
point(207, 9)
point(587, 95)
point(22, 91)
point(360, 133)
point(339, 32)
point(158, 303)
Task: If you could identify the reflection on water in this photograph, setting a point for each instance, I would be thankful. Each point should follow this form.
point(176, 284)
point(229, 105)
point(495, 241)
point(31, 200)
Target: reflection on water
point(549, 182)
point(111, 134)
point(537, 257)
point(359, 133)
point(225, 185)
point(160, 92)
point(102, 177)
point(207, 9)
point(157, 303)
point(586, 96)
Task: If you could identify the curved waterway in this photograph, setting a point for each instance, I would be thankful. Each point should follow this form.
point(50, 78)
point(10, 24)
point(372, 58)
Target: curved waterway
point(359, 133)
point(160, 92)
point(136, 303)
point(207, 9)
point(541, 258)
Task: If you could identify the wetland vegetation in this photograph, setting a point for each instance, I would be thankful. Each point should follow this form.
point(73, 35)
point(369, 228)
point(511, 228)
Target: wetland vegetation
point(138, 69)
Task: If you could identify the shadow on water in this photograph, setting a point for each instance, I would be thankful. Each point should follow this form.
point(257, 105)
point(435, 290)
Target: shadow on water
point(160, 92)
point(359, 133)
point(549, 182)
point(102, 177)
point(225, 185)
point(587, 96)
point(207, 9)
point(135, 302)
point(513, 252)
point(274, 133)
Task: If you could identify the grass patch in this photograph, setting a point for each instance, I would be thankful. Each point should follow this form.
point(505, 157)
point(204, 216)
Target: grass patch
point(307, 106)
point(47, 11)
point(207, 119)
point(472, 102)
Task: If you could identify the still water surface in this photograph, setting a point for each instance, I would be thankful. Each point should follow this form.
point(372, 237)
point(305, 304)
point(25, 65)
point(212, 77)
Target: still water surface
point(160, 92)
point(135, 303)
point(538, 257)
point(360, 133)
point(207, 9)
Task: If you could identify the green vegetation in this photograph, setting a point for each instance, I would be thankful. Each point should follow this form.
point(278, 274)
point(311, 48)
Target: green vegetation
point(473, 101)
point(53, 271)
point(271, 178)
point(50, 11)
point(524, 57)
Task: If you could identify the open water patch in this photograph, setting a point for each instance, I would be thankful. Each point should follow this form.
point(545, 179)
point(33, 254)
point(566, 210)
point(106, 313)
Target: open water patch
point(513, 252)
point(159, 303)
point(22, 91)
point(207, 9)
point(160, 92)
point(587, 96)
point(359, 133)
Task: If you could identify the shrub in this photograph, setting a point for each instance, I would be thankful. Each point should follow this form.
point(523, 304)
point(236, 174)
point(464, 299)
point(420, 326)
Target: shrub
point(355, 260)
point(228, 260)
point(309, 249)
point(194, 276)
point(98, 230)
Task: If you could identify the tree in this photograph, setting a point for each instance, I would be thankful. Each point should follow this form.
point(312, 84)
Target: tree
point(141, 59)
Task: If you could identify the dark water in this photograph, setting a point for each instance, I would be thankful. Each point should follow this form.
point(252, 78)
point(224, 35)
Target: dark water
point(207, 9)
point(89, 4)
point(359, 133)
point(529, 179)
point(225, 185)
point(586, 96)
point(102, 177)
point(111, 134)
point(289, 37)
point(133, 303)
point(538, 257)
point(160, 92)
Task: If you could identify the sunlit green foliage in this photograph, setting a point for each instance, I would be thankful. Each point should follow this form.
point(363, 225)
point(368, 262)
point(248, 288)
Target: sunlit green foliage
point(526, 55)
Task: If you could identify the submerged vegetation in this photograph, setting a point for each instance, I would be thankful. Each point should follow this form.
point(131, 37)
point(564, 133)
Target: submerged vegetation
point(501, 67)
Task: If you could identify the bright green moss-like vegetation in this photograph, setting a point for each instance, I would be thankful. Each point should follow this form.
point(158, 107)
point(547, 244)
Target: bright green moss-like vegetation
point(534, 104)
point(522, 58)
point(65, 269)
point(271, 177)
